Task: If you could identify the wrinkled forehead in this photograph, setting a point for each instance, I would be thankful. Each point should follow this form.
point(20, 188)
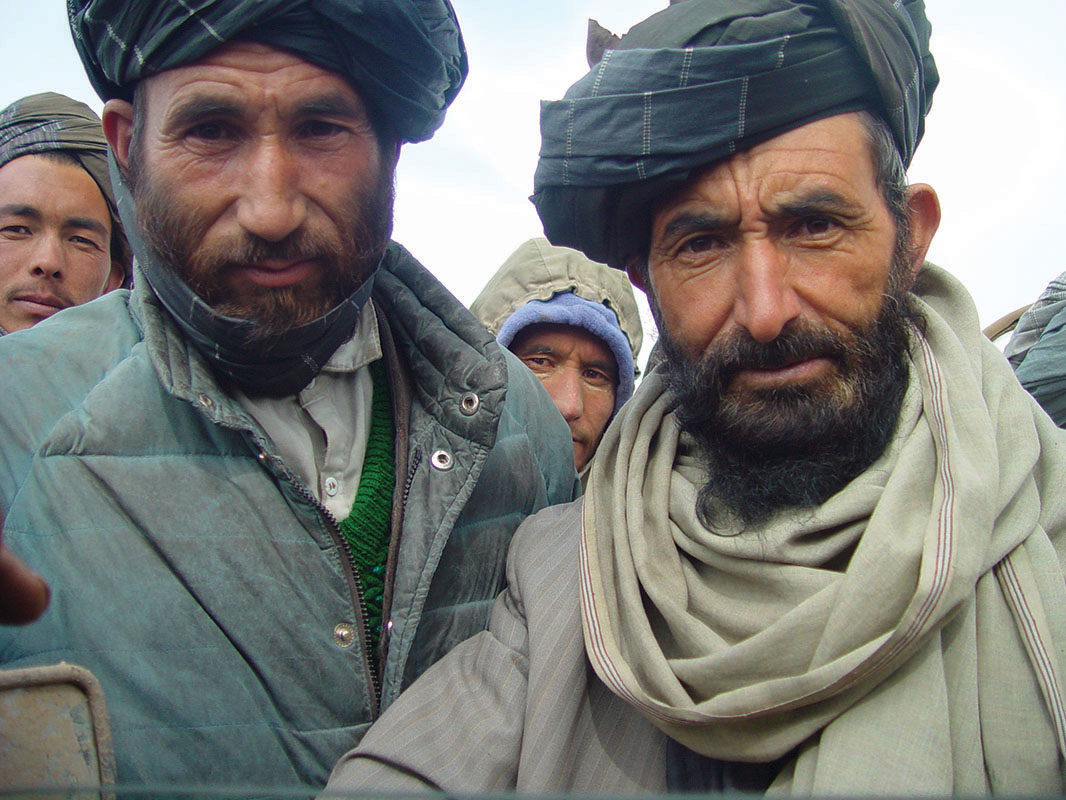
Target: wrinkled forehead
point(829, 156)
point(248, 71)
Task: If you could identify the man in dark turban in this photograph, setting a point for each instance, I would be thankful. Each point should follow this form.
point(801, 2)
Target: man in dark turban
point(820, 549)
point(277, 481)
point(61, 241)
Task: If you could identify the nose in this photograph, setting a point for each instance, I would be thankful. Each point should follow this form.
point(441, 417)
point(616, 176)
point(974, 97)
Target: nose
point(765, 299)
point(565, 390)
point(271, 205)
point(47, 259)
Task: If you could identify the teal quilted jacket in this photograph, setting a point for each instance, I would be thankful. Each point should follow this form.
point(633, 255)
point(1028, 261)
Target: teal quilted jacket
point(202, 583)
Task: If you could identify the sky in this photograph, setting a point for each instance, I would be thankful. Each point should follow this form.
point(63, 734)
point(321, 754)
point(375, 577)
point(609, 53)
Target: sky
point(994, 149)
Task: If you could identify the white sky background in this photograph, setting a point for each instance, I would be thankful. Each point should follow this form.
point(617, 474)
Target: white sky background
point(994, 149)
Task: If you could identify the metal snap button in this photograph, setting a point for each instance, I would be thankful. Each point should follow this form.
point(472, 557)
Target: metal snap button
point(204, 400)
point(344, 634)
point(469, 403)
point(442, 460)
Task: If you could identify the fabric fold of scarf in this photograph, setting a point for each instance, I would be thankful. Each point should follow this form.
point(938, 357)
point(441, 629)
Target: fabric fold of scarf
point(406, 57)
point(50, 123)
point(918, 617)
point(704, 79)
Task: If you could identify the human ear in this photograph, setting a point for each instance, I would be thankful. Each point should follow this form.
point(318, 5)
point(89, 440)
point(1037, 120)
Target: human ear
point(923, 214)
point(637, 273)
point(115, 277)
point(117, 120)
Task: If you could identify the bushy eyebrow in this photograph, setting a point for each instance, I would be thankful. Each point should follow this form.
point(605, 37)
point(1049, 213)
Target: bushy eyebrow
point(20, 210)
point(198, 107)
point(535, 349)
point(332, 104)
point(819, 201)
point(87, 223)
point(684, 224)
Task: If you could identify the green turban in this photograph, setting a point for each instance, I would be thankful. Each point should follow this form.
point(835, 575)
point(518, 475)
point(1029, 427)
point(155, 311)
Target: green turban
point(704, 79)
point(51, 123)
point(405, 57)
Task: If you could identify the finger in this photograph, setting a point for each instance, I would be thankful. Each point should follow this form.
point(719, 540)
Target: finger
point(24, 594)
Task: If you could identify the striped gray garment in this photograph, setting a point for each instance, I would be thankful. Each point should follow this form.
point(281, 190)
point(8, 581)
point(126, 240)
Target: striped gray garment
point(931, 664)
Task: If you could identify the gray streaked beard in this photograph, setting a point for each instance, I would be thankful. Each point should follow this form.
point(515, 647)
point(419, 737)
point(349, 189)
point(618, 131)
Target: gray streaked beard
point(792, 447)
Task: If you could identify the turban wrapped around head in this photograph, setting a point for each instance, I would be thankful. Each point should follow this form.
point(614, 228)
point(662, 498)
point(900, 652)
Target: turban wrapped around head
point(53, 123)
point(704, 79)
point(405, 57)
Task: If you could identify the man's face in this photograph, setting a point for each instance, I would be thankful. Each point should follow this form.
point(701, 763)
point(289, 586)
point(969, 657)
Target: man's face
point(55, 240)
point(769, 273)
point(580, 374)
point(259, 180)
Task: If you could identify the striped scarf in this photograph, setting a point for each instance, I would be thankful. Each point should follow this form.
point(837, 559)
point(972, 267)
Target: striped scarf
point(930, 663)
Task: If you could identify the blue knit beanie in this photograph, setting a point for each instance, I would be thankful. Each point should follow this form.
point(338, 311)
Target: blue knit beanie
point(596, 318)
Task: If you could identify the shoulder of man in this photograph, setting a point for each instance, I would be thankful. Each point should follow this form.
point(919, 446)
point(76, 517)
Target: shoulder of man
point(432, 329)
point(51, 368)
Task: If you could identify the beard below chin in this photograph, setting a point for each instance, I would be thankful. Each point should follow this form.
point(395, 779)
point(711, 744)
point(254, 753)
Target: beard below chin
point(345, 256)
point(769, 450)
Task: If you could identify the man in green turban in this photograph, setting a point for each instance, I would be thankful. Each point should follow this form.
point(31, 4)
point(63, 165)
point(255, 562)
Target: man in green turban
point(277, 481)
point(61, 241)
point(820, 550)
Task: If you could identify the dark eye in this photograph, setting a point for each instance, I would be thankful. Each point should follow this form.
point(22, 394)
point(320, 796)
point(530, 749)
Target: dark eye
point(538, 363)
point(85, 242)
point(597, 377)
point(210, 132)
point(15, 230)
point(321, 129)
point(817, 226)
point(700, 244)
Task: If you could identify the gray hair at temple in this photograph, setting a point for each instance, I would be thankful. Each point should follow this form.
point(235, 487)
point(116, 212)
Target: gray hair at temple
point(704, 79)
point(406, 58)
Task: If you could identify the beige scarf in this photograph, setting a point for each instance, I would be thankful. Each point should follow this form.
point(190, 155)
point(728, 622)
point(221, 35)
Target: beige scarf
point(932, 663)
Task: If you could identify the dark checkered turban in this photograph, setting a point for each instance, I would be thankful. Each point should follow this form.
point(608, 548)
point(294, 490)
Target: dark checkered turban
point(704, 79)
point(405, 57)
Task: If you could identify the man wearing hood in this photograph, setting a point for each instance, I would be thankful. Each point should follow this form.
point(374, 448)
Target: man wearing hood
point(275, 482)
point(61, 241)
point(575, 324)
point(820, 550)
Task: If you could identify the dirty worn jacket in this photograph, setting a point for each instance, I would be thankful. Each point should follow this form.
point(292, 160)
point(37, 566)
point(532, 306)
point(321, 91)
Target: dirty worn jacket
point(204, 586)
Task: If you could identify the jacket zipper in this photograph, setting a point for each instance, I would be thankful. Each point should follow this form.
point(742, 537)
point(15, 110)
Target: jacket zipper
point(357, 586)
point(364, 629)
point(335, 532)
point(416, 459)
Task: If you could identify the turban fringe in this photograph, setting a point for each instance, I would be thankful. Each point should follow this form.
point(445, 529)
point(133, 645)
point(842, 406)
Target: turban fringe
point(705, 78)
point(54, 123)
point(405, 57)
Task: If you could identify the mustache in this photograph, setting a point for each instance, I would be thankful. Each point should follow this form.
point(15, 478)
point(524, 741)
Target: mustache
point(248, 249)
point(39, 288)
point(800, 340)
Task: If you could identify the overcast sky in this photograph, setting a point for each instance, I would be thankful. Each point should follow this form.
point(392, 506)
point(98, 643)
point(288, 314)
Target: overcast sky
point(994, 145)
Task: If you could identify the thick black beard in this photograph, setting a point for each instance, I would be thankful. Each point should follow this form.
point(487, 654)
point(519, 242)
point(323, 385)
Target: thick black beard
point(768, 450)
point(175, 235)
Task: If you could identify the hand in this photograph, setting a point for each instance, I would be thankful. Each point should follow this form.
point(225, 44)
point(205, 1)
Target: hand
point(23, 593)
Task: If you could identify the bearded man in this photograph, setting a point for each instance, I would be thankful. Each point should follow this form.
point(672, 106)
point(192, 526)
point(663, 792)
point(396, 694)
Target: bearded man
point(820, 549)
point(277, 481)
